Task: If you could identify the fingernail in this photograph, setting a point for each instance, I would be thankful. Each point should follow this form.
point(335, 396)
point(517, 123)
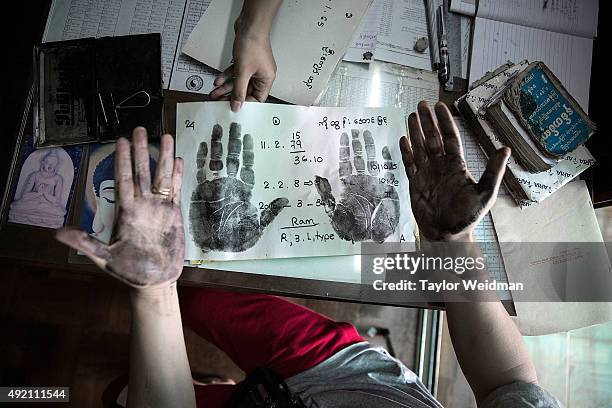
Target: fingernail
point(139, 130)
point(235, 105)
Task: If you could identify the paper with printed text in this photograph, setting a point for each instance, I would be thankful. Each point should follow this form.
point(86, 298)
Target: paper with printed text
point(278, 181)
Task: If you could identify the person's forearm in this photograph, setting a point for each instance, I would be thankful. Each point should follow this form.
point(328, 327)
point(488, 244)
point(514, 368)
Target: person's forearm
point(159, 369)
point(257, 16)
point(489, 347)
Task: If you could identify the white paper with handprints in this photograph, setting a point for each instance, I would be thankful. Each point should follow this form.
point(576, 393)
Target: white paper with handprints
point(280, 181)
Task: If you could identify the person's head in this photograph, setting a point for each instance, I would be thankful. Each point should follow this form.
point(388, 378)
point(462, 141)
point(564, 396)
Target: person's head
point(49, 163)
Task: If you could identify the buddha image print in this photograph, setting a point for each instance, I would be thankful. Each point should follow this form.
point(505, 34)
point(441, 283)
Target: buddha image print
point(98, 214)
point(45, 185)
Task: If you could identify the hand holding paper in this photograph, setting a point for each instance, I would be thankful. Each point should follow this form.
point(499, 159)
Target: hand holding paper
point(251, 75)
point(250, 78)
point(307, 39)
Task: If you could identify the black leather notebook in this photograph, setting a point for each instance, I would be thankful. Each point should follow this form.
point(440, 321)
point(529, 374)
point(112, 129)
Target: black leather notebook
point(96, 90)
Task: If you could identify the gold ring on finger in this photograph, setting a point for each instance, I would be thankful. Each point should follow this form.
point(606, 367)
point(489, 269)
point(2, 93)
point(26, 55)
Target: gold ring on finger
point(164, 192)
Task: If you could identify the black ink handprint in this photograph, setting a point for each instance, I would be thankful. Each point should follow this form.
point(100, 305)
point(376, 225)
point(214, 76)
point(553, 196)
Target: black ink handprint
point(369, 206)
point(221, 215)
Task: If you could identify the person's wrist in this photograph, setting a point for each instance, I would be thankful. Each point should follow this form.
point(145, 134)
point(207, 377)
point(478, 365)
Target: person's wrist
point(464, 236)
point(252, 28)
point(152, 292)
point(161, 300)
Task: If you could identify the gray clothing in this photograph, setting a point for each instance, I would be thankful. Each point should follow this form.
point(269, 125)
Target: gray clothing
point(364, 376)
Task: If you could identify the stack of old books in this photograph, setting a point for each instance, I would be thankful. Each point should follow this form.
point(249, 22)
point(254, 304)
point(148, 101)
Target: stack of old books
point(526, 108)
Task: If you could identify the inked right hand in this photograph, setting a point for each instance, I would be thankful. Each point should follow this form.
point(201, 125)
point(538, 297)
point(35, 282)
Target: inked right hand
point(147, 249)
point(446, 200)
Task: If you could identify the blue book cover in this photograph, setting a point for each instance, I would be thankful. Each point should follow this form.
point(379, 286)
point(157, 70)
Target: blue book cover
point(551, 116)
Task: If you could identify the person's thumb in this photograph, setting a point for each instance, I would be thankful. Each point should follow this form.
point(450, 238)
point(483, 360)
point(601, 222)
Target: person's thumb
point(241, 84)
point(80, 241)
point(492, 177)
point(273, 209)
